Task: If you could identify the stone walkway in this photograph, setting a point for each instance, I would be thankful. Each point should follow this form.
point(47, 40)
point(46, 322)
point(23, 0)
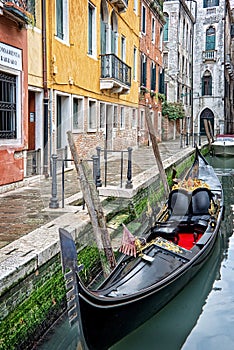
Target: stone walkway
point(25, 209)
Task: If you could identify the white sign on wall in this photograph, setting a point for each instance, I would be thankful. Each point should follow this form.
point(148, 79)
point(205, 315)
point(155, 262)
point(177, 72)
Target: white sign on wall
point(10, 56)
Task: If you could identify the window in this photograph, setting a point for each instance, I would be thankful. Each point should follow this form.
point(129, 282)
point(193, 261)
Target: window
point(114, 33)
point(165, 60)
point(161, 88)
point(134, 71)
point(122, 118)
point(153, 77)
point(210, 39)
point(210, 3)
point(115, 119)
point(92, 123)
point(143, 20)
point(91, 30)
point(102, 115)
point(8, 126)
point(142, 120)
point(134, 121)
point(135, 6)
point(103, 27)
point(143, 70)
point(62, 19)
point(207, 84)
point(165, 28)
point(31, 8)
point(153, 30)
point(123, 48)
point(78, 118)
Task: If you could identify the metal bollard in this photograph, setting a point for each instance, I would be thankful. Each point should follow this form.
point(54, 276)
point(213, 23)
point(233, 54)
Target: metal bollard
point(54, 199)
point(95, 167)
point(98, 181)
point(129, 171)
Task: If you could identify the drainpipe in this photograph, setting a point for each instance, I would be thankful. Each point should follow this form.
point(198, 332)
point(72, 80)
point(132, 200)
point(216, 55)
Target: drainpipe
point(45, 88)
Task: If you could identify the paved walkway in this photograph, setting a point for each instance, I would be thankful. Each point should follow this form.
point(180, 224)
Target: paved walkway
point(25, 209)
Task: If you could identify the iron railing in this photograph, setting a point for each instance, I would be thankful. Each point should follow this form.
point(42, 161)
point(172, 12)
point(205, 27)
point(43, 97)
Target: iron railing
point(114, 68)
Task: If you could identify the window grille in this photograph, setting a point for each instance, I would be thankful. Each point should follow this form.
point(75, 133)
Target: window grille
point(7, 106)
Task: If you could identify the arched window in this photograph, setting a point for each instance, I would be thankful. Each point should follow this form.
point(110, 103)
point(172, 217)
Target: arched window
point(207, 83)
point(114, 32)
point(103, 26)
point(165, 28)
point(210, 39)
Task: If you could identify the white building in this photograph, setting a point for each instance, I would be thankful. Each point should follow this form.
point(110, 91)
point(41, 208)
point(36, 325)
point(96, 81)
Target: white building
point(198, 64)
point(178, 53)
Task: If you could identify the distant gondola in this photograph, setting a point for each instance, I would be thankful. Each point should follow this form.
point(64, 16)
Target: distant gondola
point(174, 250)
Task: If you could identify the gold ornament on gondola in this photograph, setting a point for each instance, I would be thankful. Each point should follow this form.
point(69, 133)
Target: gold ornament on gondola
point(190, 184)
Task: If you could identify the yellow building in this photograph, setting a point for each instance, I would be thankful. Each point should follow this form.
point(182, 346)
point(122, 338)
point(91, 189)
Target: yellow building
point(92, 74)
point(35, 151)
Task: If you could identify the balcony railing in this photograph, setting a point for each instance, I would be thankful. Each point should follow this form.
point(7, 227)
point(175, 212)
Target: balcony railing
point(18, 9)
point(115, 74)
point(209, 55)
point(122, 5)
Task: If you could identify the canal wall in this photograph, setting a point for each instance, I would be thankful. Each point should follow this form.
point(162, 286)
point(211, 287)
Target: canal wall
point(32, 291)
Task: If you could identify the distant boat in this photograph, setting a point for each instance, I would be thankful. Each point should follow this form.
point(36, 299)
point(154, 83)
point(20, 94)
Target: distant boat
point(154, 268)
point(223, 145)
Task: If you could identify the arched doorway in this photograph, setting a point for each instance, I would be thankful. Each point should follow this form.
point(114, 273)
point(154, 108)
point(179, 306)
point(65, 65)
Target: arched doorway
point(209, 115)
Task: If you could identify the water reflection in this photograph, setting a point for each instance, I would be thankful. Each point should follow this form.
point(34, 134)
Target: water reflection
point(202, 315)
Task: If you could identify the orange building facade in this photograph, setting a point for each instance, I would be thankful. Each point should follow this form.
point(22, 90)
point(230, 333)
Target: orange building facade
point(152, 22)
point(13, 88)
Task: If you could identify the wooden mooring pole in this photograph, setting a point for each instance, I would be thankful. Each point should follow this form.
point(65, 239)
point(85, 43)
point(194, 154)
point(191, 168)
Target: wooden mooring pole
point(157, 155)
point(95, 209)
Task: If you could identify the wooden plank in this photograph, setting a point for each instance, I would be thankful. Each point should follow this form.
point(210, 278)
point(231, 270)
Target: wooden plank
point(157, 155)
point(95, 209)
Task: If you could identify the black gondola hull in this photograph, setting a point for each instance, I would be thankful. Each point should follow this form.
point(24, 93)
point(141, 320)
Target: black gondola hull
point(104, 323)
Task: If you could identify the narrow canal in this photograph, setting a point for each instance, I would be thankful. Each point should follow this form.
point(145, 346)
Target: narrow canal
point(201, 316)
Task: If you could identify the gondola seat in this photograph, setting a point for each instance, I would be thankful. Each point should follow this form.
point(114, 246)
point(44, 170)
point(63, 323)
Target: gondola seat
point(179, 205)
point(201, 200)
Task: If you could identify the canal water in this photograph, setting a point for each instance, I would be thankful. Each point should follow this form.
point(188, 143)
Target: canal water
point(201, 316)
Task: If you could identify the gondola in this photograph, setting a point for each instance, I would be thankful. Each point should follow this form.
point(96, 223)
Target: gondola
point(163, 262)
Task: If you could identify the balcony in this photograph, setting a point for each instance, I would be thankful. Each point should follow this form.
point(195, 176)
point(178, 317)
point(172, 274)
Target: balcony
point(209, 55)
point(16, 9)
point(121, 5)
point(115, 75)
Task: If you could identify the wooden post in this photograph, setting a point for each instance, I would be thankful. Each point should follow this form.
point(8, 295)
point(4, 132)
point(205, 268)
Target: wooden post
point(207, 129)
point(95, 209)
point(153, 138)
